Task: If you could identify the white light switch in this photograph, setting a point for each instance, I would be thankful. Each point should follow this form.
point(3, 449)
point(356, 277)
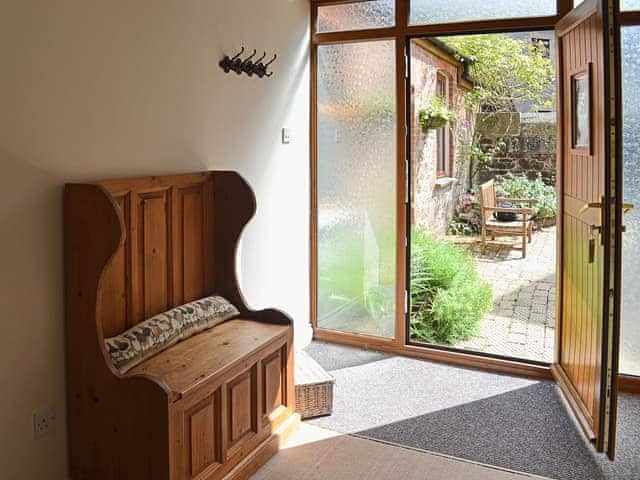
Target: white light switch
point(286, 135)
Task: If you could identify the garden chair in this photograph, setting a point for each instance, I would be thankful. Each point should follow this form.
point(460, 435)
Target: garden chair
point(490, 204)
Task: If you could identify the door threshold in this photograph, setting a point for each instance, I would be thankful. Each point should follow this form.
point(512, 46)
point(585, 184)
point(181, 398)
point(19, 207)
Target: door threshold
point(457, 358)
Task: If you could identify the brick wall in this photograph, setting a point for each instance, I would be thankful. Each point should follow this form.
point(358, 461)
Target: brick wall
point(434, 199)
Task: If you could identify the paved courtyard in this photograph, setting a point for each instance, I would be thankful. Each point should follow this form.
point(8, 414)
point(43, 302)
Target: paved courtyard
point(521, 323)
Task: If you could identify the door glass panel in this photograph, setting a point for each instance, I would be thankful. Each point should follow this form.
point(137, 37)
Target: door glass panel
point(630, 330)
point(356, 187)
point(356, 16)
point(494, 296)
point(429, 12)
point(630, 4)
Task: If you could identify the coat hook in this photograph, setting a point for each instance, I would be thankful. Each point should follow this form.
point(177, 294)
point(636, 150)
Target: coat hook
point(238, 54)
point(275, 55)
point(247, 65)
point(227, 63)
point(236, 63)
point(256, 66)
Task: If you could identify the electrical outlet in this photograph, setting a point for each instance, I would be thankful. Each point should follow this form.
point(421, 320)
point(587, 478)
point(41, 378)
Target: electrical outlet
point(44, 422)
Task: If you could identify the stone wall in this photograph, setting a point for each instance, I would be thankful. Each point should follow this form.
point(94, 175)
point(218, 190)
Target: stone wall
point(522, 143)
point(435, 198)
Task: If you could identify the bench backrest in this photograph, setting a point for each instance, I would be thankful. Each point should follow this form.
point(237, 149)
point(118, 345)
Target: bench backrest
point(179, 240)
point(488, 195)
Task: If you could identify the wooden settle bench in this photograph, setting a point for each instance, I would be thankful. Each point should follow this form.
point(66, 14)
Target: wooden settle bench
point(211, 406)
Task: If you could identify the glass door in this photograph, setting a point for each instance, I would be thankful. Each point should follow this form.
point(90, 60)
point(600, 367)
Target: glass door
point(630, 328)
point(356, 187)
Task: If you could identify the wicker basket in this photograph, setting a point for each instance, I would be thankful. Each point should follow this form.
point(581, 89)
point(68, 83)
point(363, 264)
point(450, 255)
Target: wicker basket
point(314, 388)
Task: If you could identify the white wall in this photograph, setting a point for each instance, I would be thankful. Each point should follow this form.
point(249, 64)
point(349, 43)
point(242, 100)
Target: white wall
point(93, 89)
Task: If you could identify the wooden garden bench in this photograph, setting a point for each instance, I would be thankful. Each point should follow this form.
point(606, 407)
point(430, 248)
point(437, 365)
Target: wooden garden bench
point(490, 204)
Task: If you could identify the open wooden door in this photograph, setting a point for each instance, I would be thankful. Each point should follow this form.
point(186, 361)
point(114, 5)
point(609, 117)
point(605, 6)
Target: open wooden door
point(589, 160)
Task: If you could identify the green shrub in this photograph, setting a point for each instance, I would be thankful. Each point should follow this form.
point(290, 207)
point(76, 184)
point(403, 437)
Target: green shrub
point(519, 186)
point(448, 299)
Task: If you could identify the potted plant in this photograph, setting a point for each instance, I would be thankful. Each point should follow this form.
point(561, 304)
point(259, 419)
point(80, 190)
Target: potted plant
point(434, 114)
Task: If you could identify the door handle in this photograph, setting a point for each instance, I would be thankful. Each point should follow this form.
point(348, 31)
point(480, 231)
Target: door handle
point(626, 207)
point(589, 205)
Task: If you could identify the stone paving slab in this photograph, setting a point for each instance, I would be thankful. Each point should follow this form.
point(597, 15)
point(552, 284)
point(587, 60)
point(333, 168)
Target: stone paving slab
point(521, 323)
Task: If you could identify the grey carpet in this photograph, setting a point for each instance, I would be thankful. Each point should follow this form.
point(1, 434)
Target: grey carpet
point(501, 420)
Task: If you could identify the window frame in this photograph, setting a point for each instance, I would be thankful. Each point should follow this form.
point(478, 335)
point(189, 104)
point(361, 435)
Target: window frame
point(402, 32)
point(443, 134)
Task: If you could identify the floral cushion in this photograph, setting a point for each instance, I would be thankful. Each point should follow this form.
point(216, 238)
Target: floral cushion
point(161, 331)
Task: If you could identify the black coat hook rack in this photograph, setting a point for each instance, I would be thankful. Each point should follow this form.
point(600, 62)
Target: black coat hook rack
point(248, 66)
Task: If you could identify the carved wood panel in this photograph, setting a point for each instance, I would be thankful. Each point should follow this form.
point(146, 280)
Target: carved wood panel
point(153, 251)
point(167, 258)
point(190, 244)
point(273, 384)
point(203, 436)
point(242, 411)
point(115, 290)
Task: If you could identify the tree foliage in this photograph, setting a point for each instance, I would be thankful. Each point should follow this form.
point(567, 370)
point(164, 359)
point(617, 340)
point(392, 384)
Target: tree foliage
point(505, 71)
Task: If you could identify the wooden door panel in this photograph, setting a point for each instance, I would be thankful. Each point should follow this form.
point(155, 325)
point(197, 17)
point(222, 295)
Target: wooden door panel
point(583, 183)
point(586, 163)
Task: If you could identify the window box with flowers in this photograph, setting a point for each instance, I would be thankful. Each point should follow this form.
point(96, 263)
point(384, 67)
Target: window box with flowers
point(434, 114)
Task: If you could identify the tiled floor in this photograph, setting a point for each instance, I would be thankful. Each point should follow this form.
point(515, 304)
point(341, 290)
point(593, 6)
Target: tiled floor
point(318, 454)
point(521, 323)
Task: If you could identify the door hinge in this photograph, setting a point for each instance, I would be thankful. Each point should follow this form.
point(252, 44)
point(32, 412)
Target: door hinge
point(406, 181)
point(406, 302)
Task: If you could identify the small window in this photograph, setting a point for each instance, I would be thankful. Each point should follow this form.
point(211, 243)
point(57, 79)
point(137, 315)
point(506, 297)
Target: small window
point(431, 12)
point(544, 45)
point(443, 135)
point(630, 5)
point(356, 16)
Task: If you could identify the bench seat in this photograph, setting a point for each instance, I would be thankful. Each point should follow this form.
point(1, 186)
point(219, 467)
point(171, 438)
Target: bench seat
point(189, 364)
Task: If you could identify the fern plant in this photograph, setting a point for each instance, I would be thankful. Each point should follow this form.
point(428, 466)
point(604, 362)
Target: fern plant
point(448, 299)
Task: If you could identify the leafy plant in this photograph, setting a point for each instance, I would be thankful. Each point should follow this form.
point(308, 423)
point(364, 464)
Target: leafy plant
point(448, 299)
point(519, 186)
point(505, 70)
point(434, 114)
point(467, 219)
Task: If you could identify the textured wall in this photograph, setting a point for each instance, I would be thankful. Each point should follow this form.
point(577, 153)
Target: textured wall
point(103, 89)
point(524, 143)
point(434, 200)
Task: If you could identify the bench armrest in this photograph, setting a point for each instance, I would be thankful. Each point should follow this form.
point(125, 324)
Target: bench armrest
point(530, 201)
point(527, 211)
point(269, 315)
